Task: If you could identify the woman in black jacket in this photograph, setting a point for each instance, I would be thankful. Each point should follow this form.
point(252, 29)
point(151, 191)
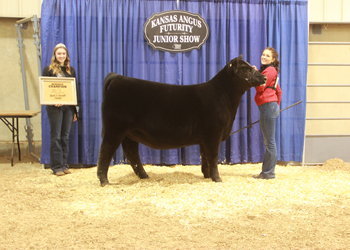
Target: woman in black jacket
point(61, 117)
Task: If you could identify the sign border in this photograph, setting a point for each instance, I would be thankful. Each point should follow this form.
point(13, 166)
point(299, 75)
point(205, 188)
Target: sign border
point(70, 80)
point(175, 50)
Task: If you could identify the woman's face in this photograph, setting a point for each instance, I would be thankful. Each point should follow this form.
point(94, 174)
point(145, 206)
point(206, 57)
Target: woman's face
point(266, 57)
point(61, 55)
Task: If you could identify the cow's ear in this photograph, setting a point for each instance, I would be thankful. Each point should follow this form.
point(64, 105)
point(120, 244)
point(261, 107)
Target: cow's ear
point(240, 57)
point(234, 65)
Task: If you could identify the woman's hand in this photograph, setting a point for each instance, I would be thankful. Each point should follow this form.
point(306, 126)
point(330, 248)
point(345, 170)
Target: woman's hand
point(58, 105)
point(75, 117)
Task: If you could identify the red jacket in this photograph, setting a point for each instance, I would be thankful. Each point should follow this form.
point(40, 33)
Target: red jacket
point(263, 94)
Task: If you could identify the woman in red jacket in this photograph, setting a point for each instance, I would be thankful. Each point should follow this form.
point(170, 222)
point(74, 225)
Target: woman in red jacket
point(268, 99)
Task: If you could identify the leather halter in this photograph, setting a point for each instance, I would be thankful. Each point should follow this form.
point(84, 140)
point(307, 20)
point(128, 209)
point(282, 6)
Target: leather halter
point(249, 80)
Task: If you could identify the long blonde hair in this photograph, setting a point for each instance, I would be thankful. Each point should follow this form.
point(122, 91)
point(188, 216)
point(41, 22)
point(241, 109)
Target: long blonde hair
point(55, 65)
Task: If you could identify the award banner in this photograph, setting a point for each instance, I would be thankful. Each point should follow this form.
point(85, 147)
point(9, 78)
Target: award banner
point(58, 90)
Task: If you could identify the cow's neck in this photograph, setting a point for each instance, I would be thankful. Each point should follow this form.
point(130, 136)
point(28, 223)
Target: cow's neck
point(230, 87)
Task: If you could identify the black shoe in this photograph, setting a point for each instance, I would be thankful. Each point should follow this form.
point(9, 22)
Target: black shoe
point(264, 176)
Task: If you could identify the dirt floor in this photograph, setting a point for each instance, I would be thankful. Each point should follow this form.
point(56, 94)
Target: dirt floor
point(303, 208)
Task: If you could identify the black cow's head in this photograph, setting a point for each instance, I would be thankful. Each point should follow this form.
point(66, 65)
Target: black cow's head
point(245, 71)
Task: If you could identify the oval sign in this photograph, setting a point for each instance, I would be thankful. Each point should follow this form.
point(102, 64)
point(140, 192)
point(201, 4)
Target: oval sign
point(176, 31)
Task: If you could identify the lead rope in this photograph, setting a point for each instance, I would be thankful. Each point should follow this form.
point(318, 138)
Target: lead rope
point(250, 125)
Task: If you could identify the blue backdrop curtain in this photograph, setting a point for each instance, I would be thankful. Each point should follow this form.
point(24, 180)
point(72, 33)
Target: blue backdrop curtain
point(107, 35)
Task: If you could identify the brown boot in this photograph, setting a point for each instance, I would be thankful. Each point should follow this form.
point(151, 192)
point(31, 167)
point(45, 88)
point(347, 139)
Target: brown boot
point(66, 171)
point(60, 173)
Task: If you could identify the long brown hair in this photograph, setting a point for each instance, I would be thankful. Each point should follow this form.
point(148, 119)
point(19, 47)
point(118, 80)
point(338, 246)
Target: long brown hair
point(55, 65)
point(275, 63)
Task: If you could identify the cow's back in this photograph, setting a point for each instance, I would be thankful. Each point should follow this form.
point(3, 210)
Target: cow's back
point(142, 98)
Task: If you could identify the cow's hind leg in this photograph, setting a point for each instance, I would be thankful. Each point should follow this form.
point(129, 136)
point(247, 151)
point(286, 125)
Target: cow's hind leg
point(107, 150)
point(131, 151)
point(205, 167)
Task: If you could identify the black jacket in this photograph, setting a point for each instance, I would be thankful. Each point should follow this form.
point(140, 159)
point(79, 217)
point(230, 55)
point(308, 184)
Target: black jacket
point(48, 72)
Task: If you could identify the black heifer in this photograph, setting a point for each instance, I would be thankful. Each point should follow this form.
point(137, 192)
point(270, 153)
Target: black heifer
point(165, 116)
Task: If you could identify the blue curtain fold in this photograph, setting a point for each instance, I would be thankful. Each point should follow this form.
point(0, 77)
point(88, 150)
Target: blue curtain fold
point(107, 35)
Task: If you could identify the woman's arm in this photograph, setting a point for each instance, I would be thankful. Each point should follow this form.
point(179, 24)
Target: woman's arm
point(271, 74)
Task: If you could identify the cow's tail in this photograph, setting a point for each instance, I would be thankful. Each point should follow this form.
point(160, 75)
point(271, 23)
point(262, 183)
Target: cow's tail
point(108, 79)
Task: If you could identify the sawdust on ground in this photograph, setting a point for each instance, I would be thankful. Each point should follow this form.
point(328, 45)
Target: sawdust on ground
point(303, 208)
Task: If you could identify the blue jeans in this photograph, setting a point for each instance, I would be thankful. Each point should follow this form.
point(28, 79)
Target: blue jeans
point(61, 119)
point(268, 115)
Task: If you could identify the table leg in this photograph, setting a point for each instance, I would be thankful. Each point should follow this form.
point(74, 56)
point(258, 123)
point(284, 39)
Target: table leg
point(13, 127)
point(17, 134)
point(13, 140)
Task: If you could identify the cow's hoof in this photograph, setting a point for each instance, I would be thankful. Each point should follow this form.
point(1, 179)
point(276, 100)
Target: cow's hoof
point(206, 176)
point(145, 176)
point(104, 183)
point(216, 179)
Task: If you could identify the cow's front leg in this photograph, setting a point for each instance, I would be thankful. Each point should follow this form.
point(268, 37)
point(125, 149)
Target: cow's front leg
point(107, 150)
point(211, 149)
point(205, 167)
point(131, 151)
point(214, 172)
